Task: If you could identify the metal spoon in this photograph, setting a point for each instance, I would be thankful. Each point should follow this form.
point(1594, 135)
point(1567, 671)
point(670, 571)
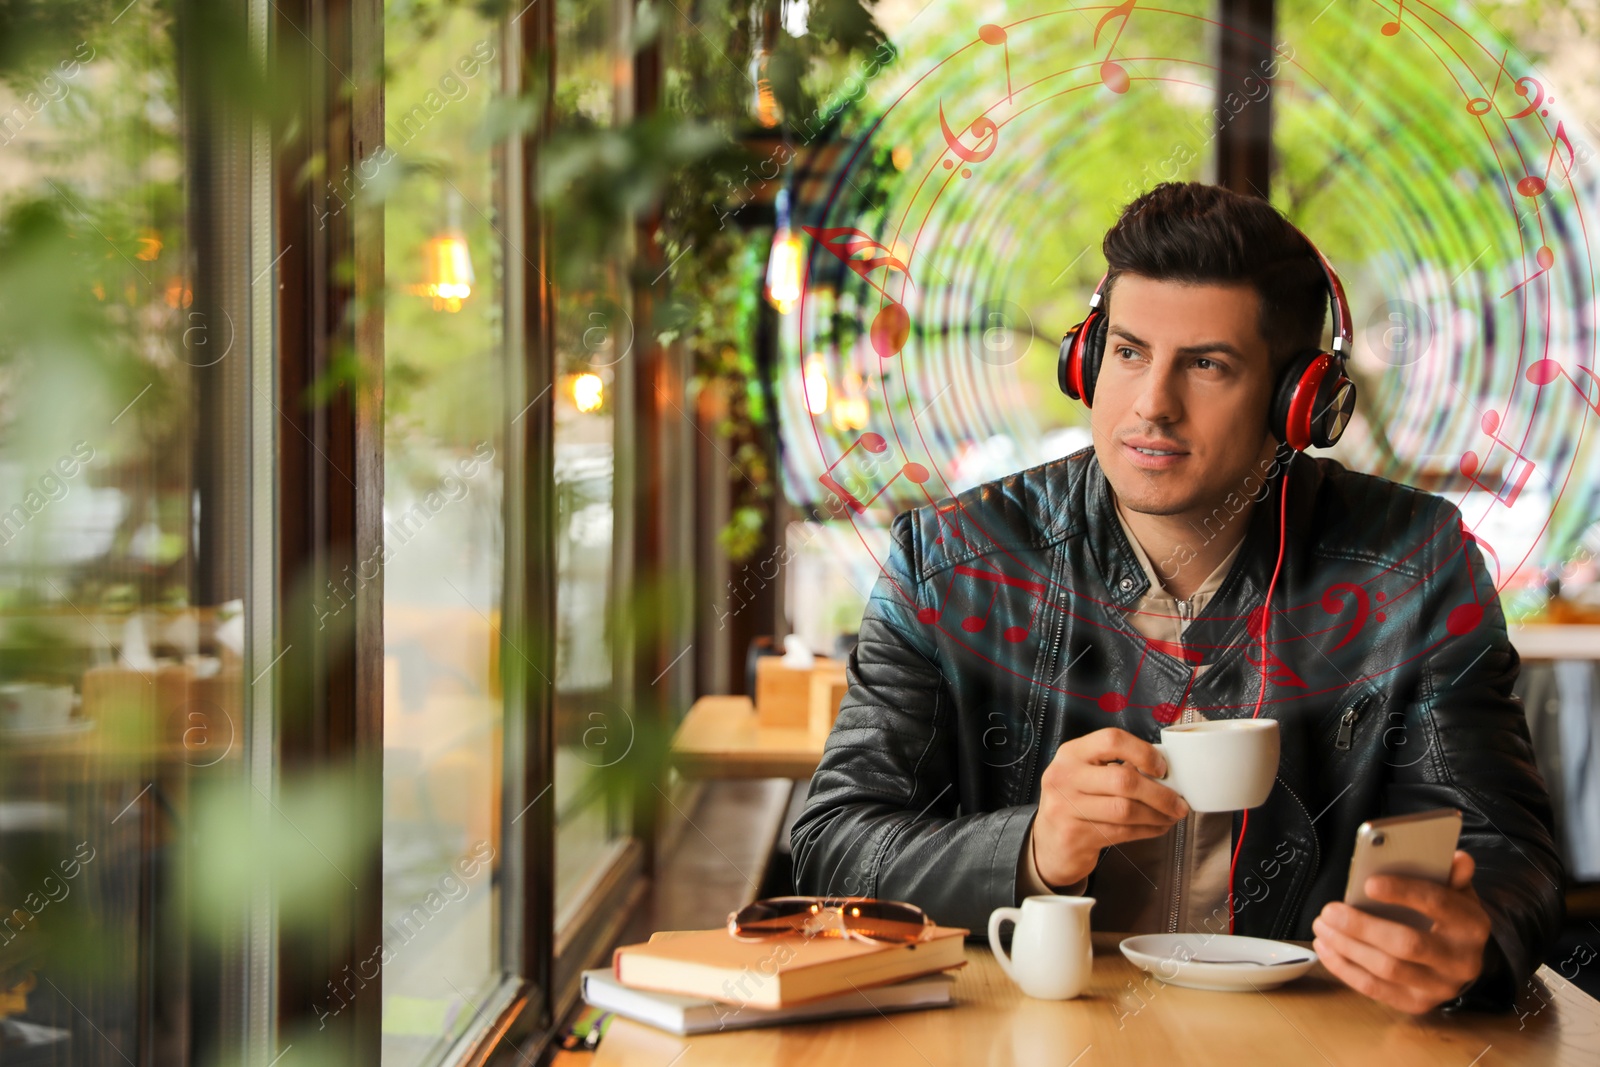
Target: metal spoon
point(1258, 963)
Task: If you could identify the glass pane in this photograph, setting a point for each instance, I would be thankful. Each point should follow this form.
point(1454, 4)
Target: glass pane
point(951, 361)
point(594, 335)
point(1462, 247)
point(443, 531)
point(123, 538)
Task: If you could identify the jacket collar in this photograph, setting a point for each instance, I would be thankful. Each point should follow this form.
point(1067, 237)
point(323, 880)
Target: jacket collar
point(1246, 583)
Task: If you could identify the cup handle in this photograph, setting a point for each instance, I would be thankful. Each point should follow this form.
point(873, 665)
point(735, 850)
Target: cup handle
point(996, 917)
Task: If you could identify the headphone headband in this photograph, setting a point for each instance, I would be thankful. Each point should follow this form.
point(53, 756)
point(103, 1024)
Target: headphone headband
point(1343, 330)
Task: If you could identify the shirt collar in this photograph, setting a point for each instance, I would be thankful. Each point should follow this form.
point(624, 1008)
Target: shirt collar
point(1126, 581)
point(1158, 590)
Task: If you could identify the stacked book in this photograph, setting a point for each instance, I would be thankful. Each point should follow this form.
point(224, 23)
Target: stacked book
point(695, 981)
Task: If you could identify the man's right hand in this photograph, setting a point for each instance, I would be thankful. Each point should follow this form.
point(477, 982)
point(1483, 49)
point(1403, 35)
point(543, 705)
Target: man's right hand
point(1088, 800)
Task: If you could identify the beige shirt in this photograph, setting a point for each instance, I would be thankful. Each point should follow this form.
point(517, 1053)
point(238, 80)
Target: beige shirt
point(1151, 885)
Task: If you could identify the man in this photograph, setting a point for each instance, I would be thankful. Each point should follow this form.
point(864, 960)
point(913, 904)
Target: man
point(1024, 646)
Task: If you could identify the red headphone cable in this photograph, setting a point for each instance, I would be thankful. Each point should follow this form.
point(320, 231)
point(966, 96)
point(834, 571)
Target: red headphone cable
point(1266, 615)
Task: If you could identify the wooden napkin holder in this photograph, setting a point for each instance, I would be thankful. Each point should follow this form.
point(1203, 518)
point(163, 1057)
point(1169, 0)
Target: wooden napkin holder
point(798, 698)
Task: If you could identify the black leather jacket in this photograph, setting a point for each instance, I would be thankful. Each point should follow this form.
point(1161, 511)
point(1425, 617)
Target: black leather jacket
point(997, 631)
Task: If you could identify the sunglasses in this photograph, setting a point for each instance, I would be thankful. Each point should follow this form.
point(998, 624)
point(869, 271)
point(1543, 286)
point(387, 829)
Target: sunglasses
point(865, 918)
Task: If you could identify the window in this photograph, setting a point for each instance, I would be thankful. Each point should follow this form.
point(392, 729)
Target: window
point(1439, 238)
point(1002, 255)
point(445, 757)
point(594, 338)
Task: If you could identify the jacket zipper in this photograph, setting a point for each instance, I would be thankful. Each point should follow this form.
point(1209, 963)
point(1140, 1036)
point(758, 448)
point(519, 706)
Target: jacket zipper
point(1177, 876)
point(1347, 722)
point(1182, 827)
point(1044, 697)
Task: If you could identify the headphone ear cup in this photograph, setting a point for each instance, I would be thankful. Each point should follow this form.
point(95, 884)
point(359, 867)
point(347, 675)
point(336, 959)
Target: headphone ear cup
point(1094, 350)
point(1283, 394)
point(1335, 403)
point(1312, 402)
point(1065, 369)
point(1078, 362)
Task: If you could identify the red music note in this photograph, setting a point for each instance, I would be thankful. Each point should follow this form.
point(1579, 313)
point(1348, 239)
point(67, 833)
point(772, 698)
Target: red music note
point(981, 127)
point(974, 623)
point(1002, 579)
point(1392, 28)
point(1111, 701)
point(932, 615)
point(1532, 186)
point(1112, 75)
point(1166, 713)
point(1517, 476)
point(1278, 671)
point(845, 241)
point(1545, 371)
point(1333, 605)
point(873, 443)
point(955, 525)
point(891, 326)
point(1546, 258)
point(1486, 547)
point(1480, 105)
point(1256, 622)
point(1538, 97)
point(991, 34)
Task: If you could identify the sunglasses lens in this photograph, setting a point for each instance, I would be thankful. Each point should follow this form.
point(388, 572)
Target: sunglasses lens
point(775, 915)
point(884, 920)
point(881, 920)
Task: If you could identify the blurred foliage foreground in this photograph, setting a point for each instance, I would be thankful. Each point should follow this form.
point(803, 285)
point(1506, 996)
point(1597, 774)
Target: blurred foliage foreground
point(108, 104)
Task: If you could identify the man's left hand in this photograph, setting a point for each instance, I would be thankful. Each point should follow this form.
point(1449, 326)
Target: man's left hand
point(1399, 966)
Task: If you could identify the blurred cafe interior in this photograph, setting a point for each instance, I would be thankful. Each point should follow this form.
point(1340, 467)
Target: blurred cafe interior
point(419, 572)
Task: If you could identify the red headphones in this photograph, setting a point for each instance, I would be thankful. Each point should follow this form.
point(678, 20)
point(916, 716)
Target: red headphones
point(1312, 399)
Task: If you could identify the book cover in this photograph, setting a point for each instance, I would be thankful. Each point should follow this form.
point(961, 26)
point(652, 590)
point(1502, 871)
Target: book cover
point(779, 972)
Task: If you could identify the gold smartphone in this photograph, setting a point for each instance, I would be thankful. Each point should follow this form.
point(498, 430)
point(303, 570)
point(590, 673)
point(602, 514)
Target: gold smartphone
point(1413, 846)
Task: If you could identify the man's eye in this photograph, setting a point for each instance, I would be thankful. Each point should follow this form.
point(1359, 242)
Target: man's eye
point(1124, 350)
point(1206, 364)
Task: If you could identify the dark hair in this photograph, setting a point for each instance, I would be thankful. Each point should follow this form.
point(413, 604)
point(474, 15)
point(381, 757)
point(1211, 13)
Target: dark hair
point(1191, 232)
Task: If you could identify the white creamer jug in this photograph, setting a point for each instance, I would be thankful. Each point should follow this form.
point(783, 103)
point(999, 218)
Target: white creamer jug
point(1051, 954)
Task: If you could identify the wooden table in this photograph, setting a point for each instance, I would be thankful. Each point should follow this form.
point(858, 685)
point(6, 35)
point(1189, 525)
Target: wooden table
point(722, 738)
point(1129, 1017)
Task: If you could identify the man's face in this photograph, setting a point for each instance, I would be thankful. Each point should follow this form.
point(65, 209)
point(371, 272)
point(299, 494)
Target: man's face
point(1186, 372)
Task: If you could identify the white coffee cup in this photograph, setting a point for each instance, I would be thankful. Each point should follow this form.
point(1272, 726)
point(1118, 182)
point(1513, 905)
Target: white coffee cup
point(1051, 955)
point(33, 706)
point(1221, 765)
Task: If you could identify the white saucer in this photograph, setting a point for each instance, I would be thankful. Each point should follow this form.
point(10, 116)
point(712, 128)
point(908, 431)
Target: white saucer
point(1170, 957)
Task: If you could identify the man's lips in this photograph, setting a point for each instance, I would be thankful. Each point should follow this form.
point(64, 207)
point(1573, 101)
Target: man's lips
point(1154, 444)
point(1170, 455)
